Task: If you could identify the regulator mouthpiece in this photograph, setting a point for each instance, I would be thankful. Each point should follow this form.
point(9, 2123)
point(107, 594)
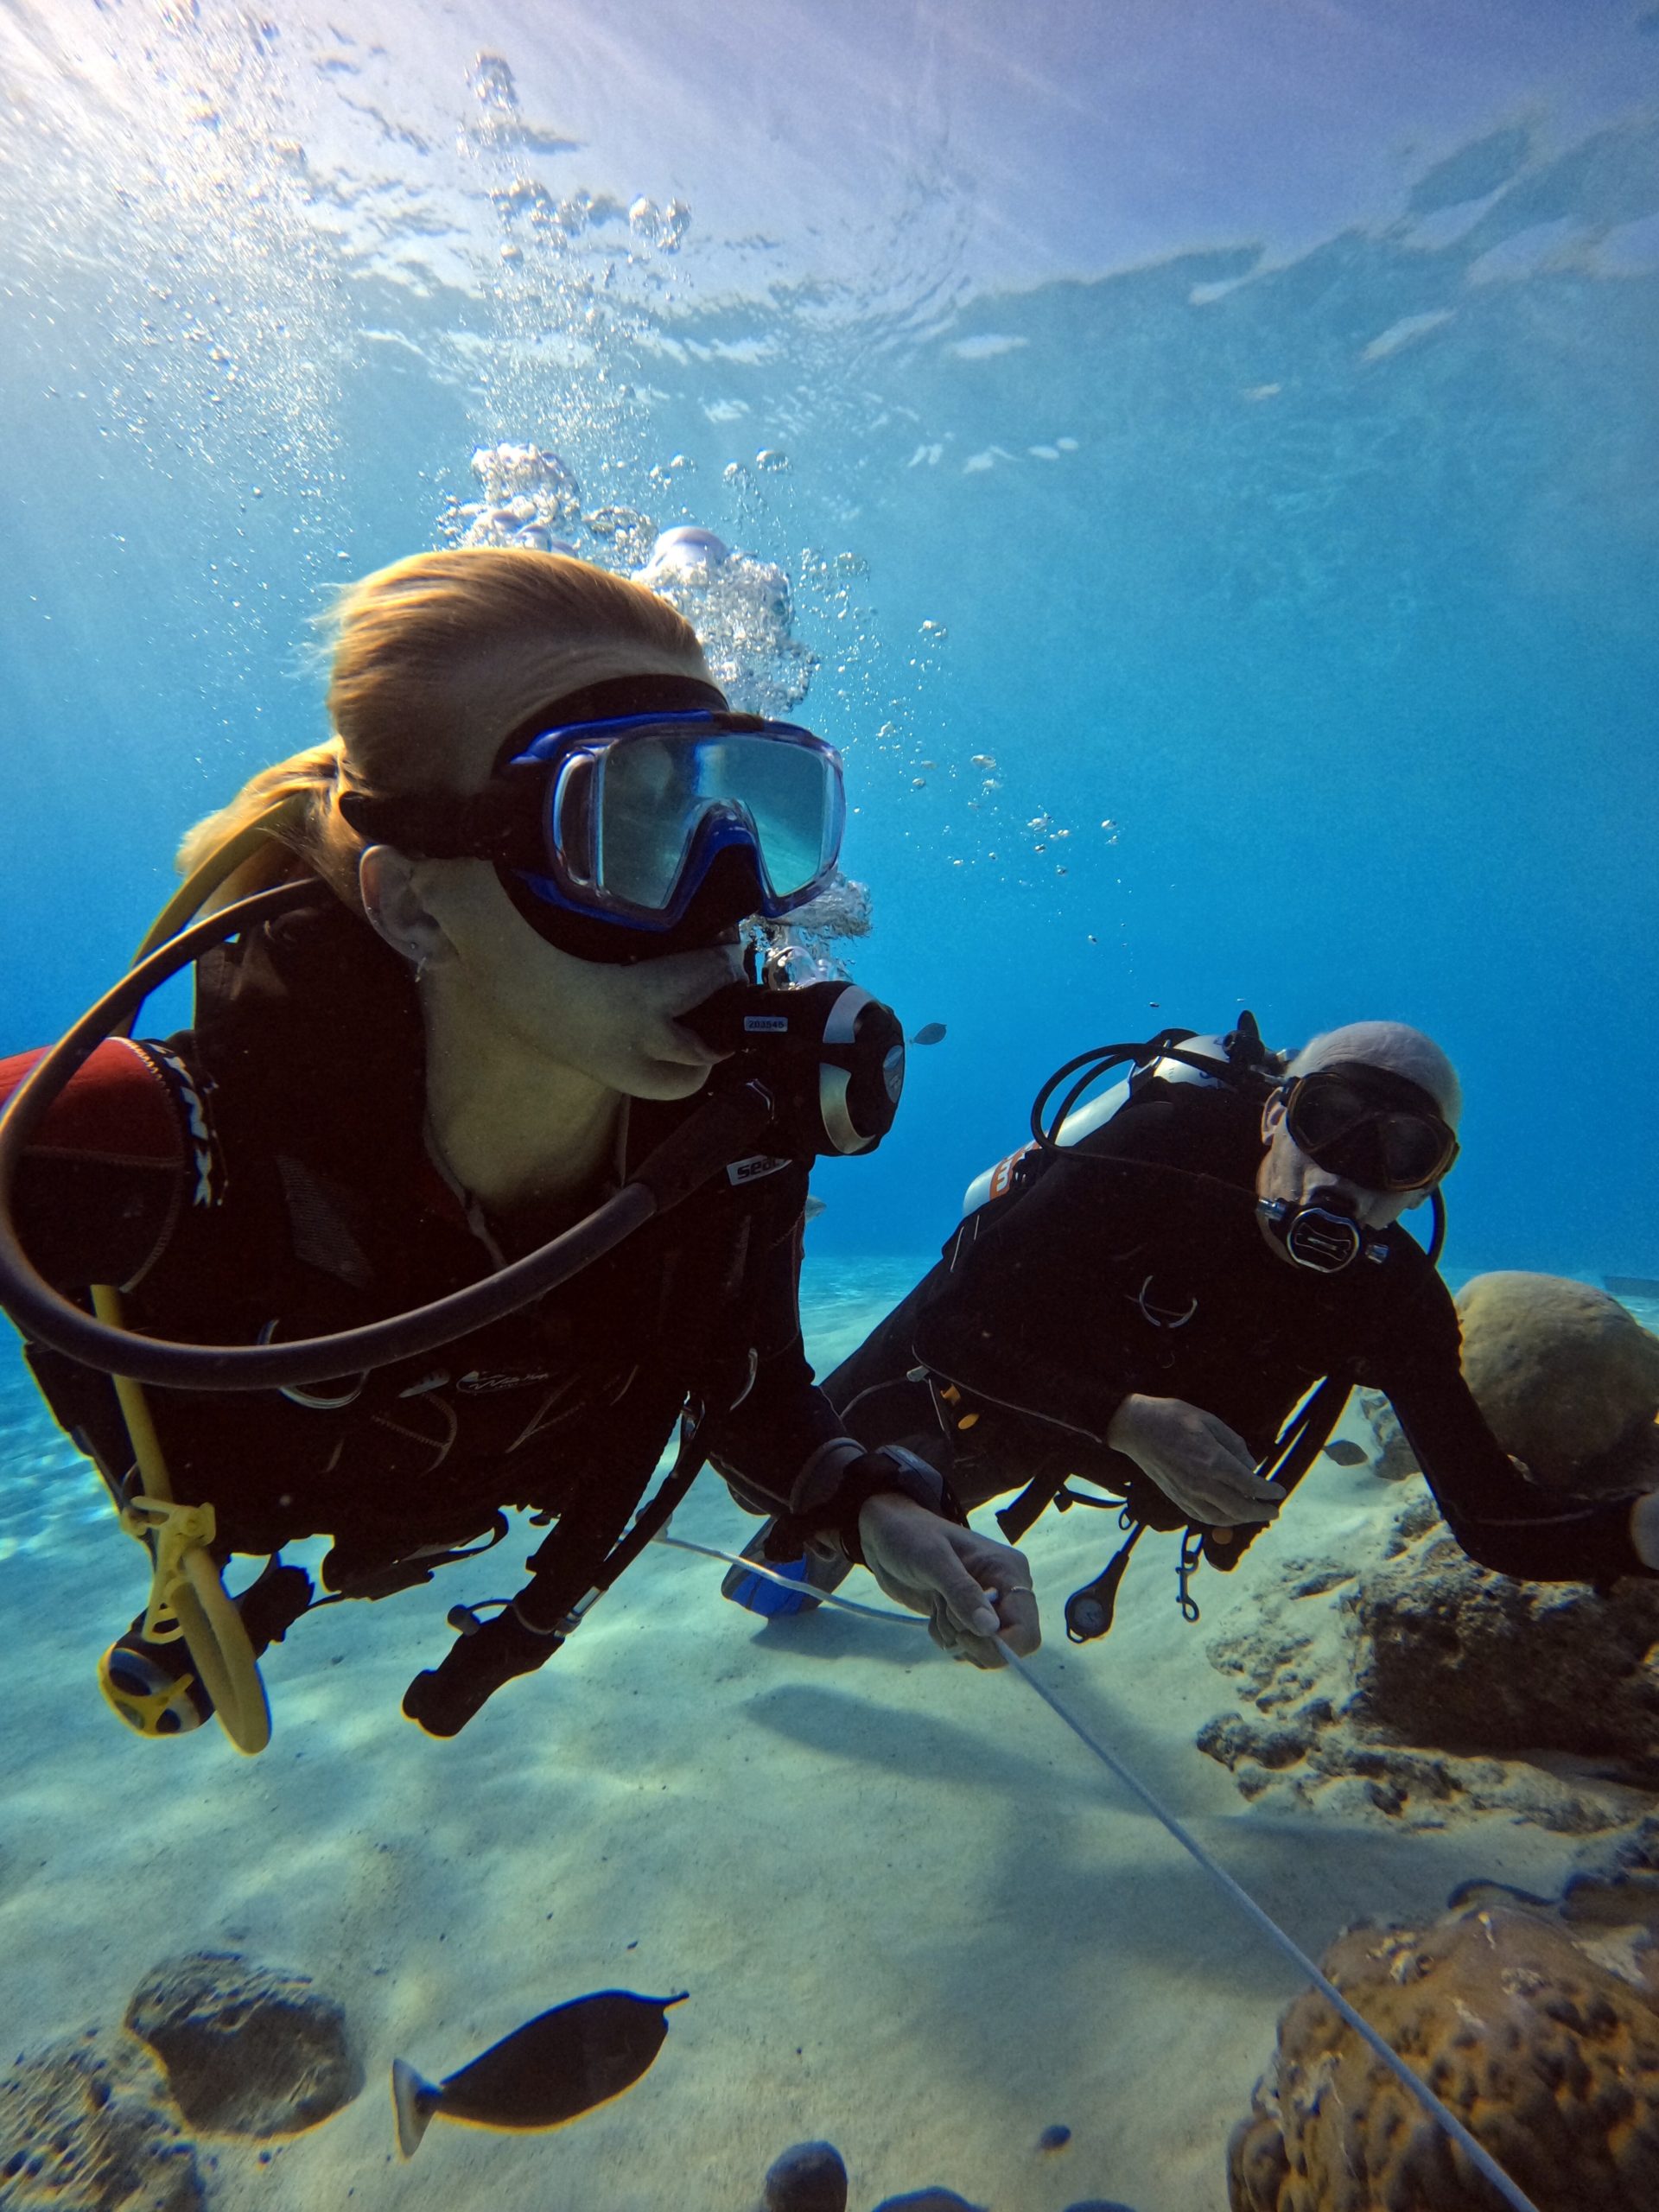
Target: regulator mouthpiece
point(1321, 1238)
point(831, 1058)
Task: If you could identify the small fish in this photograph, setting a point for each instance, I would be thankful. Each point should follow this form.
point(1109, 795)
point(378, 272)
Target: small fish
point(814, 1207)
point(929, 1033)
point(1632, 1285)
point(557, 2065)
point(1346, 1454)
point(1478, 1889)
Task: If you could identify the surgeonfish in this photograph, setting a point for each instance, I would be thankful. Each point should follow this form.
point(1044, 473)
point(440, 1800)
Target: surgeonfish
point(1345, 1453)
point(814, 1207)
point(557, 2066)
point(930, 1032)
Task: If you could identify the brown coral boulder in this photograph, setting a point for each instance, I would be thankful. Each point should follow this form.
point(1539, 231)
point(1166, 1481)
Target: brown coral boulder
point(1567, 1378)
point(249, 2049)
point(1449, 1654)
point(1549, 2058)
point(87, 2126)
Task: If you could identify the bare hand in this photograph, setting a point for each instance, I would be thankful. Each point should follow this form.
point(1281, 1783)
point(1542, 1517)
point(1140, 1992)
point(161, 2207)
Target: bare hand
point(1644, 1529)
point(976, 1593)
point(1195, 1459)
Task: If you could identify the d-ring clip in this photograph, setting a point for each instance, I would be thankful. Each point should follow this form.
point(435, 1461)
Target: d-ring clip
point(1166, 1318)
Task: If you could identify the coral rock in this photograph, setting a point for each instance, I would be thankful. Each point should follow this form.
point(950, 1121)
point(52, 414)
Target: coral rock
point(87, 2126)
point(248, 2050)
point(1422, 1687)
point(928, 2199)
point(1548, 2057)
point(1394, 1457)
point(1449, 1654)
point(807, 2178)
point(1567, 1379)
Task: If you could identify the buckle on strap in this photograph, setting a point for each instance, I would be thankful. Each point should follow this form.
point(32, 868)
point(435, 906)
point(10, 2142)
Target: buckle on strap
point(169, 1531)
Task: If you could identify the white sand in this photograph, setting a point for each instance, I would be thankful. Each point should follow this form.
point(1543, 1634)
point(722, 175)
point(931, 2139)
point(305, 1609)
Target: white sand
point(913, 1915)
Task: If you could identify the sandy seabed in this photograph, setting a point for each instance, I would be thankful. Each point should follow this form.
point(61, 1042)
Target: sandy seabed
point(914, 1916)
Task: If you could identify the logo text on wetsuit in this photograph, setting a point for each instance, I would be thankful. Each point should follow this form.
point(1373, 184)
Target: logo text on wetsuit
point(481, 1380)
point(751, 1169)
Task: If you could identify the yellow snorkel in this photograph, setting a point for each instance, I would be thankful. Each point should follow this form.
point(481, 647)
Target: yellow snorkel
point(188, 1598)
point(810, 1068)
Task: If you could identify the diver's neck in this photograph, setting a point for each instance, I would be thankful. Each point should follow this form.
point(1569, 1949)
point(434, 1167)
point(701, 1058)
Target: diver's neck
point(520, 1134)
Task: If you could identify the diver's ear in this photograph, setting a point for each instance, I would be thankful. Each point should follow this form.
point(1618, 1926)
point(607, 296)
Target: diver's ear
point(395, 908)
point(1273, 1114)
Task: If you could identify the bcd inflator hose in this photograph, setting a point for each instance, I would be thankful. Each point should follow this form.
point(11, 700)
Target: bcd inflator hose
point(739, 1112)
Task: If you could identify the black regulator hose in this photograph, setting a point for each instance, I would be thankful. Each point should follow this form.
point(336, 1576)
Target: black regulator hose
point(726, 1127)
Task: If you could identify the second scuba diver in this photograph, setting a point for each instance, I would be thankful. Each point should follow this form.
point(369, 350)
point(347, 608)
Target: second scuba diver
point(1142, 1298)
point(498, 994)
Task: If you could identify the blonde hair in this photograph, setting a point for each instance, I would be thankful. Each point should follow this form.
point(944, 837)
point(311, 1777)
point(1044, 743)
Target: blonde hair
point(398, 637)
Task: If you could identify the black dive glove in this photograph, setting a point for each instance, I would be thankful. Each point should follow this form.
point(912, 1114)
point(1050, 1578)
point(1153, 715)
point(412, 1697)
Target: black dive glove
point(839, 1481)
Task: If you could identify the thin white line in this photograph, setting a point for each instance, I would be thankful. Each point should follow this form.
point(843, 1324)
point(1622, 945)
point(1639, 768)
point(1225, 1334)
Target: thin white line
point(1480, 2157)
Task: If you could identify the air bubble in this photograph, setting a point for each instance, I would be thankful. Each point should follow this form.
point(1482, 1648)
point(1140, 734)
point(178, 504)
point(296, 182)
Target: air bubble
point(524, 487)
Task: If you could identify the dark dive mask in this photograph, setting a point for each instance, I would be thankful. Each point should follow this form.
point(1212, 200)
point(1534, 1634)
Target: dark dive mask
point(1370, 1126)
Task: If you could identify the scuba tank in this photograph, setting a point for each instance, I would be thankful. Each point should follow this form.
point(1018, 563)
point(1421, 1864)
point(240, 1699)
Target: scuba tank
point(1173, 1056)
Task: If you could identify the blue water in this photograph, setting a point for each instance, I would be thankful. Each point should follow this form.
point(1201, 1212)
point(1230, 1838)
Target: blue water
point(1338, 608)
point(1242, 448)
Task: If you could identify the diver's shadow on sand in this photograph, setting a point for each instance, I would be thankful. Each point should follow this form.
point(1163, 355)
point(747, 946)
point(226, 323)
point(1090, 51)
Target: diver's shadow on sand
point(1142, 1900)
point(843, 1725)
point(827, 1633)
point(1063, 1848)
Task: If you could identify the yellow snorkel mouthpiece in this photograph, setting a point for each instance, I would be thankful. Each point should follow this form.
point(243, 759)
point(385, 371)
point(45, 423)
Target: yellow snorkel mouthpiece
point(143, 1696)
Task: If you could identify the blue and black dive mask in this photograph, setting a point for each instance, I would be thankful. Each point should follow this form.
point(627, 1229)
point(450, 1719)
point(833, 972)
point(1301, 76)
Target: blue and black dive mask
point(638, 818)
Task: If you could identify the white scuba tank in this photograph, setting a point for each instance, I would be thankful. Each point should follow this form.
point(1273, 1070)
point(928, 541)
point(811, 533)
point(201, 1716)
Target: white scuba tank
point(995, 1182)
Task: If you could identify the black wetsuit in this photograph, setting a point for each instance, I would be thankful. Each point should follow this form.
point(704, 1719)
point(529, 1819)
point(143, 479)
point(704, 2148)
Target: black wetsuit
point(1151, 1274)
point(269, 1167)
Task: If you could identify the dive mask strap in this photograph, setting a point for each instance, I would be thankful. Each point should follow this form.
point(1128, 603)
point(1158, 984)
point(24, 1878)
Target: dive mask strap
point(496, 823)
point(502, 823)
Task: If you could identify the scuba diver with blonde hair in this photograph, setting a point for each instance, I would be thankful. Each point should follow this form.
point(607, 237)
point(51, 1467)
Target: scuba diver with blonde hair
point(482, 1167)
